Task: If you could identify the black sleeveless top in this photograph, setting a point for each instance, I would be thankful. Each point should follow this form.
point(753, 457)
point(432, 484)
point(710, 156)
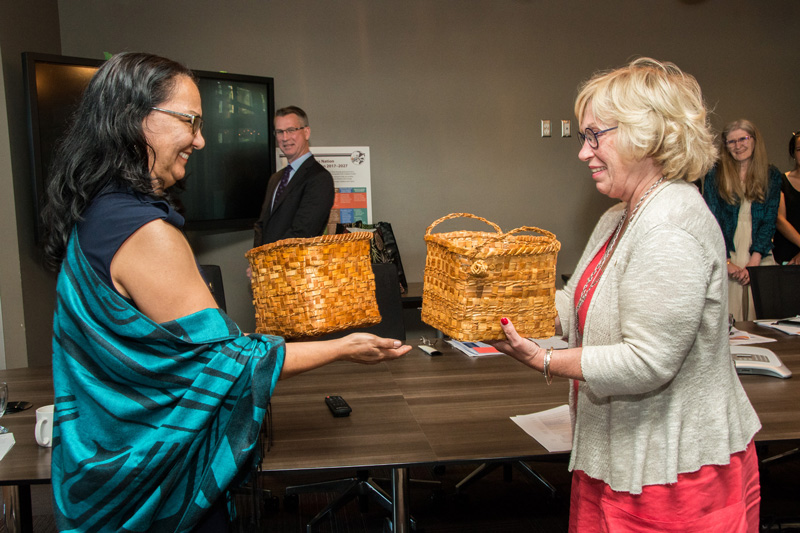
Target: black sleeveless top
point(114, 215)
point(784, 249)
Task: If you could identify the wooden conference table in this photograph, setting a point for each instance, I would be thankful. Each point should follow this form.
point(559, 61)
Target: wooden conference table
point(26, 463)
point(418, 410)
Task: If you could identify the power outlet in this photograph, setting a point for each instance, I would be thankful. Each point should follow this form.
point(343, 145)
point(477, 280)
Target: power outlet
point(545, 128)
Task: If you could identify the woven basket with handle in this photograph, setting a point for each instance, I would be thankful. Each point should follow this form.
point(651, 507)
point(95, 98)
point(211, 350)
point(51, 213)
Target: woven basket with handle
point(310, 287)
point(472, 279)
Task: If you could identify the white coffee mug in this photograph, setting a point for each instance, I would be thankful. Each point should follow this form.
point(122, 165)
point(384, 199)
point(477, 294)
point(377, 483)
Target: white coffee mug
point(44, 426)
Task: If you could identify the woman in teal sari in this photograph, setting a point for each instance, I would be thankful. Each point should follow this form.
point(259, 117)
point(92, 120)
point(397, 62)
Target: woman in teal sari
point(159, 396)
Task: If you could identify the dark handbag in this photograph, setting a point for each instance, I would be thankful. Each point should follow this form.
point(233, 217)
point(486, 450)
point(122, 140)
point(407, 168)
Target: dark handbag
point(383, 248)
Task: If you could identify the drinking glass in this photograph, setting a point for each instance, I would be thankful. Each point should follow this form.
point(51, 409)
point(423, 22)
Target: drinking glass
point(3, 402)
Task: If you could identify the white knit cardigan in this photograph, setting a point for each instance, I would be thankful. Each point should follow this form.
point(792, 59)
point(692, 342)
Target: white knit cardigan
point(661, 395)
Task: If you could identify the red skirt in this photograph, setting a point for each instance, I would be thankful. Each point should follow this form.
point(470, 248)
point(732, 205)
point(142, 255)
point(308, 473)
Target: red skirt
point(716, 498)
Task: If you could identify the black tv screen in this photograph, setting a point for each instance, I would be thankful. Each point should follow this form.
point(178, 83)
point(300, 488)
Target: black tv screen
point(225, 181)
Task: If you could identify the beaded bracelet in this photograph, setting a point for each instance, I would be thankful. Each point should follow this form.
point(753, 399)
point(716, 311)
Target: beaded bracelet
point(546, 369)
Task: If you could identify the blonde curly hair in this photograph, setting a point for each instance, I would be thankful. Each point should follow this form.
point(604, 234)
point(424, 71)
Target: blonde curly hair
point(659, 112)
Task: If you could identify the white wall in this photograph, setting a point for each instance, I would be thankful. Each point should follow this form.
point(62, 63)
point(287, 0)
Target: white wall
point(28, 290)
point(449, 94)
point(2, 339)
point(10, 279)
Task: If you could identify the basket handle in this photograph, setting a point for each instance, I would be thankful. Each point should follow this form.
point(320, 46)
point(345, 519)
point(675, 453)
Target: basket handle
point(494, 238)
point(466, 215)
point(544, 232)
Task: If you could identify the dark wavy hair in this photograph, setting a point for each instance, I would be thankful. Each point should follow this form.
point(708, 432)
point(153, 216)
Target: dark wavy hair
point(105, 143)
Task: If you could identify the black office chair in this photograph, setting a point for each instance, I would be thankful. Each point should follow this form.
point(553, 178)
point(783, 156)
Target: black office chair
point(363, 486)
point(486, 468)
point(390, 306)
point(776, 294)
point(212, 275)
point(776, 290)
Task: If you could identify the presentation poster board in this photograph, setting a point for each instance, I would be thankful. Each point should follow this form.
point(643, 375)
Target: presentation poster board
point(350, 168)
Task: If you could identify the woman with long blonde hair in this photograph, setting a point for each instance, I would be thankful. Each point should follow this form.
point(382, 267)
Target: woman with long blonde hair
point(743, 191)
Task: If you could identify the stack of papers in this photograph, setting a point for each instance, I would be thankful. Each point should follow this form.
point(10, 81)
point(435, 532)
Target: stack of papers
point(789, 325)
point(473, 349)
point(738, 337)
point(477, 349)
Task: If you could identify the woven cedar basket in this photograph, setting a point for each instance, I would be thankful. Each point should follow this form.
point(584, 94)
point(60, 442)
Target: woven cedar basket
point(472, 279)
point(310, 287)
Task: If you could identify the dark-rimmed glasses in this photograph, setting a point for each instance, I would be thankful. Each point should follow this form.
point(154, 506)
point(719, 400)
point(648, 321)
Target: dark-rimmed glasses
point(288, 131)
point(734, 142)
point(590, 136)
point(195, 120)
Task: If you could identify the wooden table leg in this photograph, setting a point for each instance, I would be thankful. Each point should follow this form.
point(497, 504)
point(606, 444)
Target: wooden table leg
point(25, 509)
point(17, 508)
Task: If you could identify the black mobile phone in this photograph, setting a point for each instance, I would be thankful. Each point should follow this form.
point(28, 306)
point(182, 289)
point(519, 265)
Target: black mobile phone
point(16, 407)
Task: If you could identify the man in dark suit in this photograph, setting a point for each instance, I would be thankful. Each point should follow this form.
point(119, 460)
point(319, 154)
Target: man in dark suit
point(299, 197)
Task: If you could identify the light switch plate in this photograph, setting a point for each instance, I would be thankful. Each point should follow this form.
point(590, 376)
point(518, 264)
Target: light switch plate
point(566, 128)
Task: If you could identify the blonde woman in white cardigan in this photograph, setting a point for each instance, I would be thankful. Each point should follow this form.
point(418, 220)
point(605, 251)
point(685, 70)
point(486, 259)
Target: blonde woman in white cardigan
point(663, 430)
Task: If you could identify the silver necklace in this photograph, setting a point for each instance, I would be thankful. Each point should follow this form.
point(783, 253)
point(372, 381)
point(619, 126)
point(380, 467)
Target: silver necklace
point(594, 277)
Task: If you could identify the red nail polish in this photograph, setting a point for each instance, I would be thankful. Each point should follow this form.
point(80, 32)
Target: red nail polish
point(504, 321)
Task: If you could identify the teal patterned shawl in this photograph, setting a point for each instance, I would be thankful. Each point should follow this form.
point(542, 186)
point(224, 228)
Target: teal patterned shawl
point(154, 422)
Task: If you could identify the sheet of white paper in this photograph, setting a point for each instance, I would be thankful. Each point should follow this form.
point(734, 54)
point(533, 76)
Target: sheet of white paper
point(551, 428)
point(786, 328)
point(555, 342)
point(738, 337)
point(6, 443)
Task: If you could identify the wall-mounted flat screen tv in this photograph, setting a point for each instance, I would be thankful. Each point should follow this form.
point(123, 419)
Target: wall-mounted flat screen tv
point(225, 181)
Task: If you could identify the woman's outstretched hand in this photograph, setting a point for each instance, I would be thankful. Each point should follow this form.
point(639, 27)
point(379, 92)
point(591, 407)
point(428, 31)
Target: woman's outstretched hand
point(369, 349)
point(363, 348)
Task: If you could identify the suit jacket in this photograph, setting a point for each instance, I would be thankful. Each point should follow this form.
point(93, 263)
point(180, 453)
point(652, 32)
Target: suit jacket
point(302, 210)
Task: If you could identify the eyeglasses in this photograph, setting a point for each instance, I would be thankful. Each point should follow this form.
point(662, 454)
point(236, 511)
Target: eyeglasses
point(195, 120)
point(734, 142)
point(288, 131)
point(590, 136)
